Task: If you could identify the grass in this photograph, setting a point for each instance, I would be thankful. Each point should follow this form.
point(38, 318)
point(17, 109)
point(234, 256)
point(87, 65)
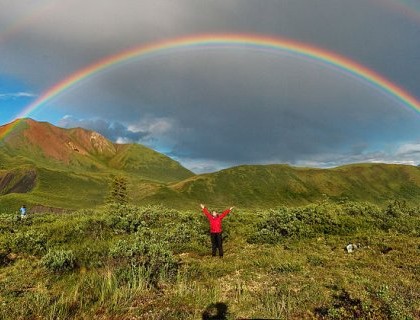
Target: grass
point(150, 262)
point(268, 186)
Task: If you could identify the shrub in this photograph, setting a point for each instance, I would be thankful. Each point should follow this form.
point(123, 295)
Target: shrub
point(119, 190)
point(360, 209)
point(294, 223)
point(129, 219)
point(149, 254)
point(31, 242)
point(59, 260)
point(327, 218)
point(186, 233)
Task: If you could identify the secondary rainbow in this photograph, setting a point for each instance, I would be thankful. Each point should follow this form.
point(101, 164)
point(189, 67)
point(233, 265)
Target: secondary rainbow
point(407, 8)
point(223, 41)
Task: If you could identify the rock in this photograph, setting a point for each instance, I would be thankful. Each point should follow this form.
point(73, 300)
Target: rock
point(351, 247)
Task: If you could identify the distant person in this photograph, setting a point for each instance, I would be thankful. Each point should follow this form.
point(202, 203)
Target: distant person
point(215, 220)
point(22, 212)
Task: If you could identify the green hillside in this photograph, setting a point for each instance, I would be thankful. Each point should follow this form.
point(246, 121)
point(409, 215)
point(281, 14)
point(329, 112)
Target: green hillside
point(74, 167)
point(144, 162)
point(41, 164)
point(45, 145)
point(273, 185)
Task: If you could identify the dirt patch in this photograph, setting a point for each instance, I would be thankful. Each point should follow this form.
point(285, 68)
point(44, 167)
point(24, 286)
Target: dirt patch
point(44, 209)
point(17, 181)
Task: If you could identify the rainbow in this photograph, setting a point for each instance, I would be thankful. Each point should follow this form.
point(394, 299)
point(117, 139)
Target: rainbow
point(408, 8)
point(33, 14)
point(223, 41)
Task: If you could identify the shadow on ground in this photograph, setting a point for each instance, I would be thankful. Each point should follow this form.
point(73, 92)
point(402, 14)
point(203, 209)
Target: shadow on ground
point(215, 311)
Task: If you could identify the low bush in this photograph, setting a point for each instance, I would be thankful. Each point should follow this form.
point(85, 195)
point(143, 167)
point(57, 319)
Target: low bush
point(129, 219)
point(328, 218)
point(148, 254)
point(59, 260)
point(30, 242)
point(295, 223)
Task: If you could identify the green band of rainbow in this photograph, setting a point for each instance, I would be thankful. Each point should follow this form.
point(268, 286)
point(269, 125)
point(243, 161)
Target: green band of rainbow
point(258, 42)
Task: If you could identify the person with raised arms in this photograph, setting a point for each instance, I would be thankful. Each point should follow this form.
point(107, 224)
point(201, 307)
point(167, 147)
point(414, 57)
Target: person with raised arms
point(215, 221)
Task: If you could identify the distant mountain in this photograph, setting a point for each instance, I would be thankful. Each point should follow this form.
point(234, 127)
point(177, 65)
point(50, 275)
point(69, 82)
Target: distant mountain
point(41, 164)
point(44, 164)
point(42, 144)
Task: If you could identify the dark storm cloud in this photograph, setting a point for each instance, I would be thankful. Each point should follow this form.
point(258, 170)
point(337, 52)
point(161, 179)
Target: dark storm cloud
point(66, 35)
point(223, 107)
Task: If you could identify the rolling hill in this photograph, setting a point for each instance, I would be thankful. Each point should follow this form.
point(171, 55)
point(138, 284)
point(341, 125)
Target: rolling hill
point(274, 185)
point(41, 164)
point(44, 145)
point(44, 164)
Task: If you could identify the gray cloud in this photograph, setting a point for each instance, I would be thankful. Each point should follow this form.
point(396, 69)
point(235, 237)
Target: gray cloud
point(223, 107)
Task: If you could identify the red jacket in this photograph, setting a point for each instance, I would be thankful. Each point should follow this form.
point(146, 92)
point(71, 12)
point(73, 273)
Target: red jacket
point(215, 222)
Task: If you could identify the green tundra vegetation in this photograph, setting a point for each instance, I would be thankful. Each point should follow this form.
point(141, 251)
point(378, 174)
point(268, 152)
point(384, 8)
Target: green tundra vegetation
point(123, 261)
point(302, 243)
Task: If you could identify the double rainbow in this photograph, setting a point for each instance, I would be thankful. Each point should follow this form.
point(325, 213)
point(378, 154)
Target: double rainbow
point(223, 41)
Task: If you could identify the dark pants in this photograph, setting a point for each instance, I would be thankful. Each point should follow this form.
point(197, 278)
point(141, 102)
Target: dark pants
point(216, 243)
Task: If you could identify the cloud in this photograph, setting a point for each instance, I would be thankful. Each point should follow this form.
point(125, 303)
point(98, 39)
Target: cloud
point(114, 131)
point(409, 150)
point(221, 107)
point(194, 150)
point(16, 95)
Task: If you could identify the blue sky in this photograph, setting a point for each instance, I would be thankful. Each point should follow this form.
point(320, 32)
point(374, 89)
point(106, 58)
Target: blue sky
point(219, 108)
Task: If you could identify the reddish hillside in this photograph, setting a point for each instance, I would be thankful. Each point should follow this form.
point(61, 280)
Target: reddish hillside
point(57, 143)
point(41, 143)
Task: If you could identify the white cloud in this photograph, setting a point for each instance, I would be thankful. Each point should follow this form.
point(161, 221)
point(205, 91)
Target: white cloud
point(409, 149)
point(123, 140)
point(203, 165)
point(404, 153)
point(113, 130)
point(16, 95)
point(156, 126)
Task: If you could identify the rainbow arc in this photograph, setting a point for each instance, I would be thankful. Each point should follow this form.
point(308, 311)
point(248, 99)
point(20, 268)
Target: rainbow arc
point(221, 41)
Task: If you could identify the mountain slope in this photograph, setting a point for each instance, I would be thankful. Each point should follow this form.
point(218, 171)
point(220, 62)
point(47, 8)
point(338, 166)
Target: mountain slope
point(72, 168)
point(41, 164)
point(80, 150)
point(273, 185)
point(19, 180)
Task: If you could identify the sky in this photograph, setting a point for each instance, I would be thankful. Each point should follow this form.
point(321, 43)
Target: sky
point(214, 107)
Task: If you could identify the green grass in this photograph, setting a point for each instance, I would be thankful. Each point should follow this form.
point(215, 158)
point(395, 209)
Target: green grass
point(151, 262)
point(275, 185)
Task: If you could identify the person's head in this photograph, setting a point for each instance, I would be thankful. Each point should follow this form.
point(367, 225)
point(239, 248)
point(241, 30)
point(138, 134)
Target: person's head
point(214, 214)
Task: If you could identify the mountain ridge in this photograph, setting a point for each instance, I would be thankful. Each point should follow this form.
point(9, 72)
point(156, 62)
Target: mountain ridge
point(81, 149)
point(46, 165)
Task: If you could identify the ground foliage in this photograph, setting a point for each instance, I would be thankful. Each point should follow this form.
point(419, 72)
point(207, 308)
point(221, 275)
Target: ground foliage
point(149, 262)
point(326, 218)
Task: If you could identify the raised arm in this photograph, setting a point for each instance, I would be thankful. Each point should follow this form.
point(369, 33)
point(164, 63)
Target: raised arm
point(205, 211)
point(226, 212)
